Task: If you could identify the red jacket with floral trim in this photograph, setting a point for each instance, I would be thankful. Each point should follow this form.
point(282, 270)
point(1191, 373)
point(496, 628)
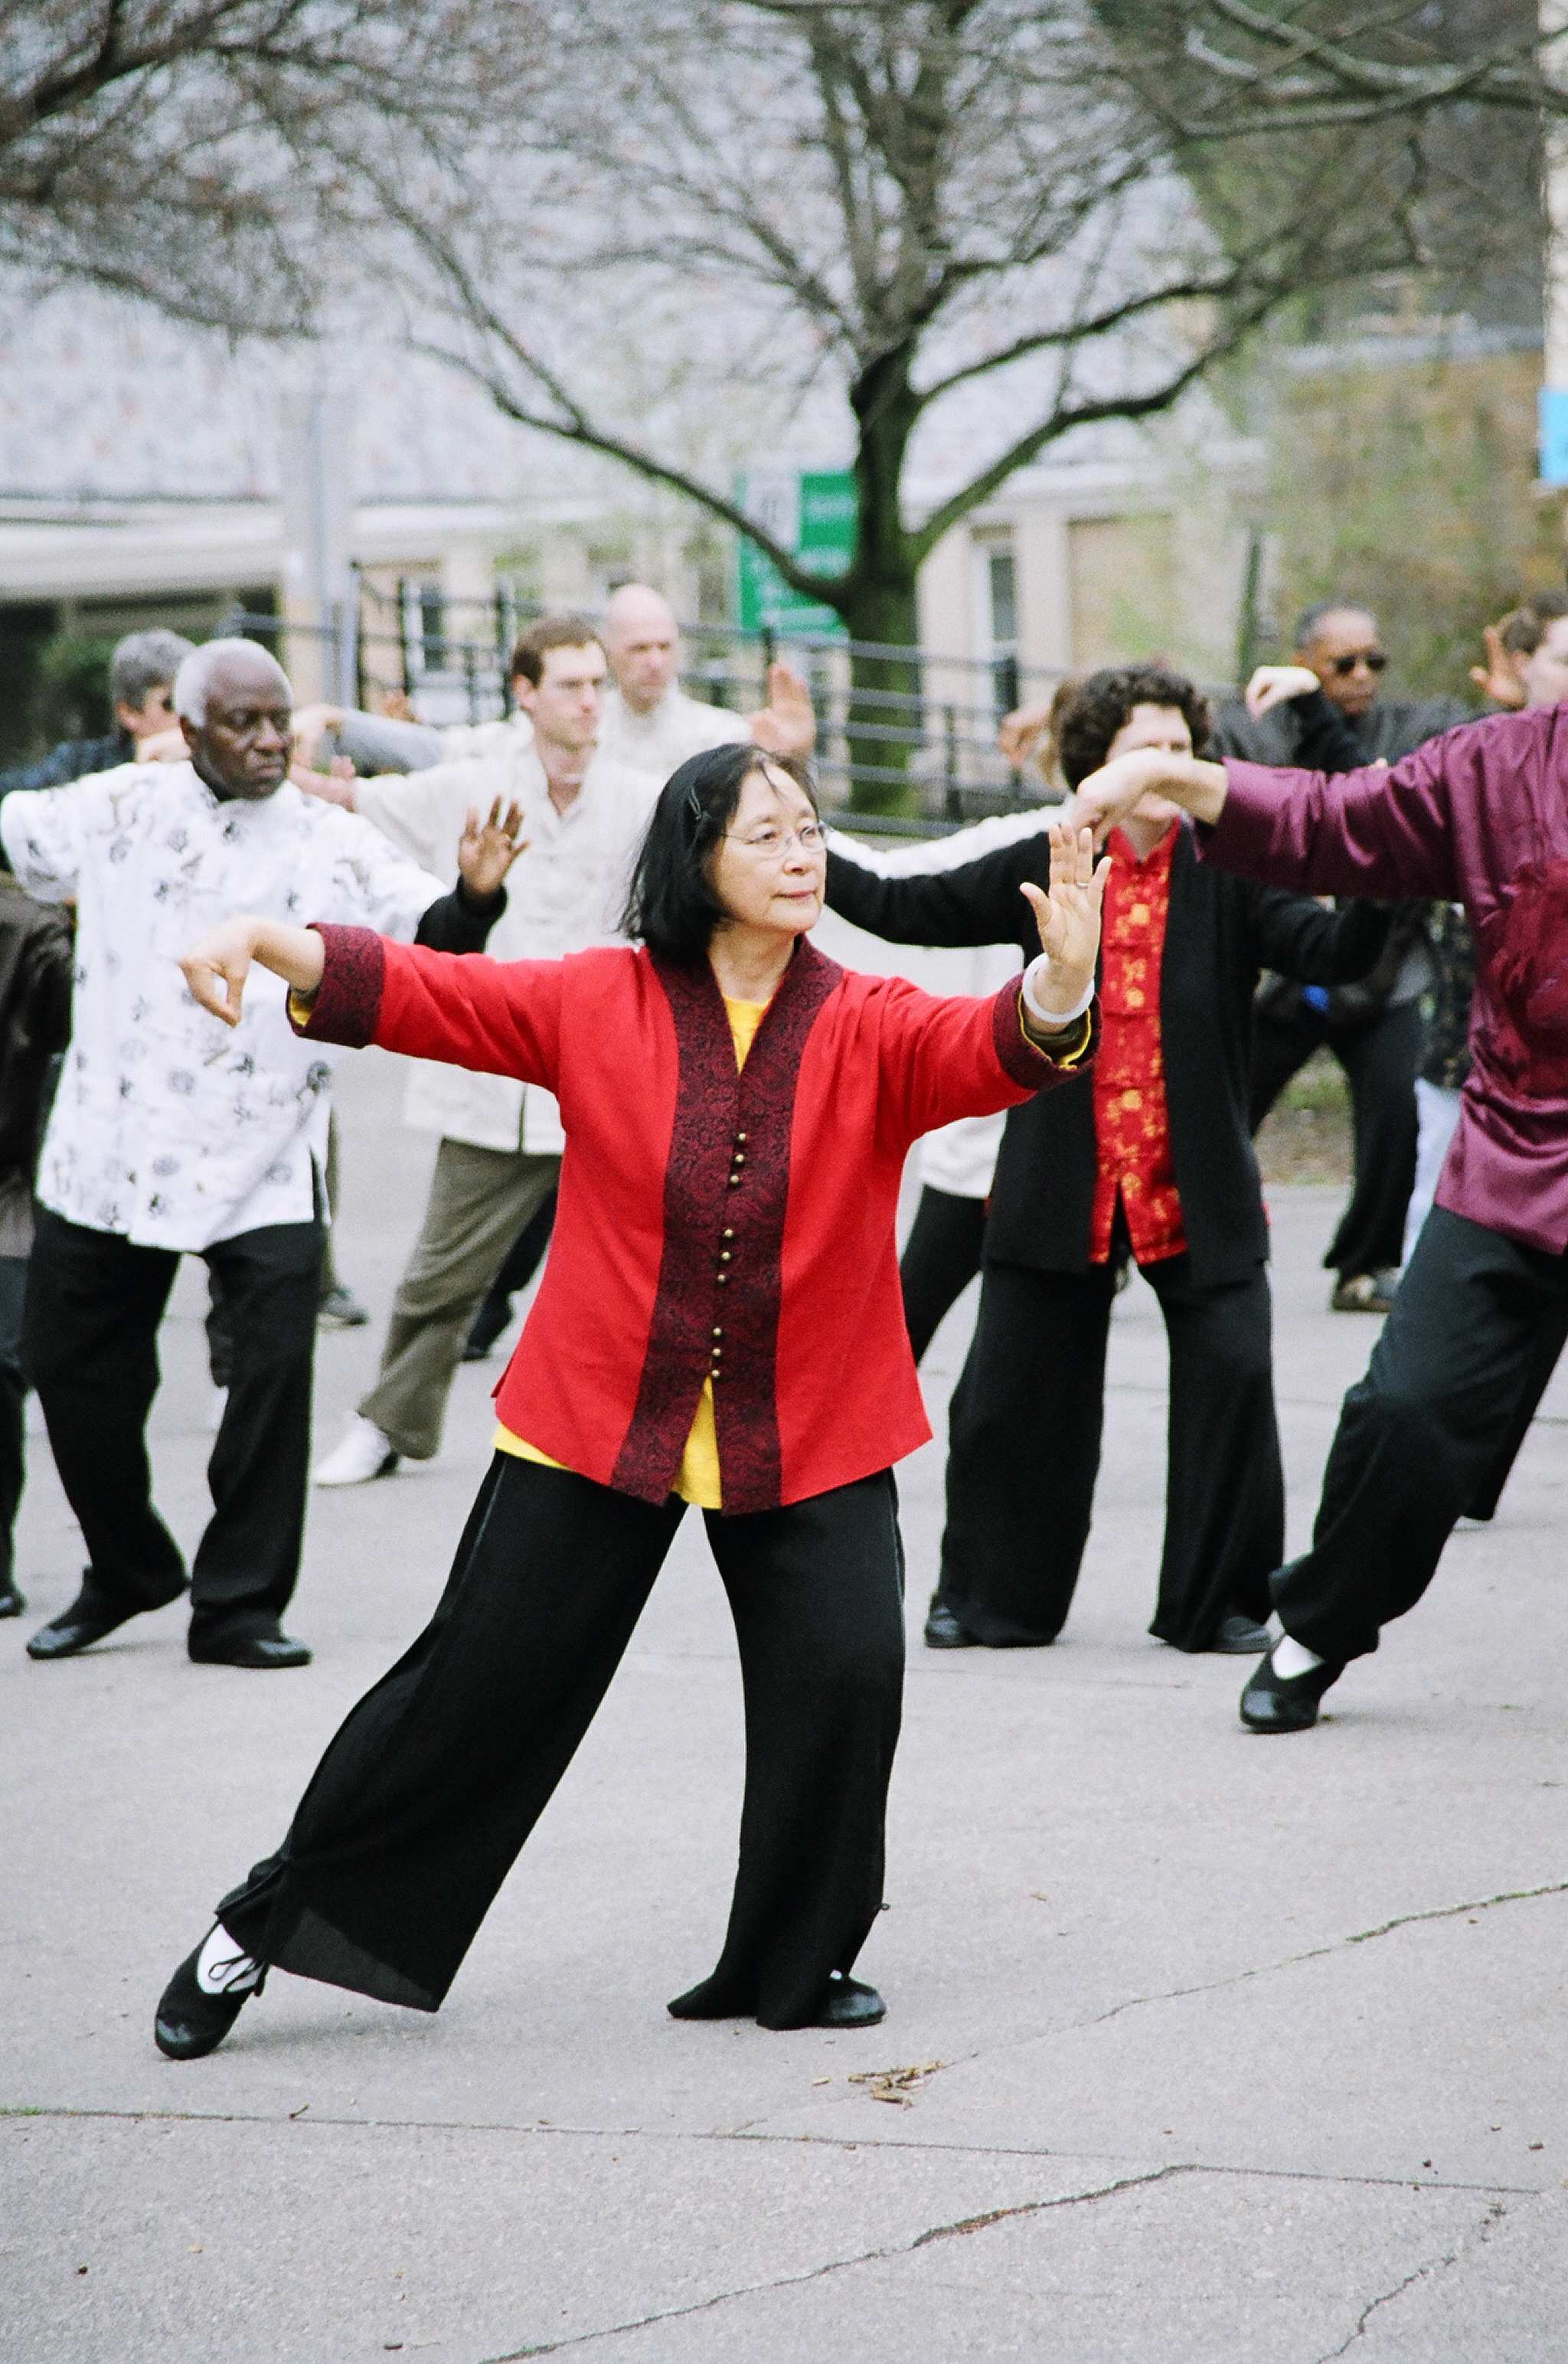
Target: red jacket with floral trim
point(709, 1221)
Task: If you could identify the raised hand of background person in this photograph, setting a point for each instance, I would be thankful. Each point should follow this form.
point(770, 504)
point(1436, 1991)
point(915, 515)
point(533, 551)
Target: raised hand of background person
point(1021, 732)
point(787, 724)
point(335, 786)
point(1500, 678)
point(311, 724)
point(162, 747)
point(487, 848)
point(1272, 686)
point(1067, 914)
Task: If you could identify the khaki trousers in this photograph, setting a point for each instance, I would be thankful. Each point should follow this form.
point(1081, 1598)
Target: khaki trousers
point(480, 1200)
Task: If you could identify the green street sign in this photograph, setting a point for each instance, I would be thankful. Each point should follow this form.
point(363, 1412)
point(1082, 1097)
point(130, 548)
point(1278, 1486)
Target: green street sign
point(811, 512)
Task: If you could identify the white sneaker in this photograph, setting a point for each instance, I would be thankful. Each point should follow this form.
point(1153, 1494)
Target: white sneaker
point(364, 1454)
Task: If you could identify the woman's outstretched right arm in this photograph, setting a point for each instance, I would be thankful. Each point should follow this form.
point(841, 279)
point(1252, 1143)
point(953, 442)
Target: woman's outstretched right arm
point(216, 968)
point(353, 986)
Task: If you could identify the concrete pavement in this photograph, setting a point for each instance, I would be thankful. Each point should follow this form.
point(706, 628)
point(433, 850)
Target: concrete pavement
point(1231, 2049)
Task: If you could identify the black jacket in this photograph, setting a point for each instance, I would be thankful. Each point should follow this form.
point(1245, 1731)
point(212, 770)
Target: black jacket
point(1314, 736)
point(1313, 733)
point(1221, 931)
point(73, 759)
point(34, 1022)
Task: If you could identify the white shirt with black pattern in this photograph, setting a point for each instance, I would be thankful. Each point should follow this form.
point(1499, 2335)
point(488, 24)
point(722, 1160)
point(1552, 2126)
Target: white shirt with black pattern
point(168, 1128)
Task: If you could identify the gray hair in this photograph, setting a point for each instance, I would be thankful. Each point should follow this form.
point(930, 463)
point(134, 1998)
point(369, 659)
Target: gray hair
point(1308, 622)
point(193, 679)
point(144, 661)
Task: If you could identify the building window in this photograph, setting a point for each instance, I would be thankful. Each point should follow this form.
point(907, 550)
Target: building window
point(997, 619)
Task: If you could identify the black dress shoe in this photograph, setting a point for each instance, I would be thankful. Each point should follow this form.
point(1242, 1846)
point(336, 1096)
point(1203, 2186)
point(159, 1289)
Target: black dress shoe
point(1273, 1702)
point(262, 1650)
point(848, 2003)
point(189, 2022)
point(11, 1601)
point(943, 1631)
point(90, 1615)
point(1239, 1637)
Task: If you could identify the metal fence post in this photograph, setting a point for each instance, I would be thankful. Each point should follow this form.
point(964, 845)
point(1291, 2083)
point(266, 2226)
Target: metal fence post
point(952, 800)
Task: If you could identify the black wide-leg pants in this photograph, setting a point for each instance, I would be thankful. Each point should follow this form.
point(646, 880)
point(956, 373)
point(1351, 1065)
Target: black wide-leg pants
point(1477, 1325)
point(941, 1256)
point(422, 1802)
point(1024, 1450)
point(1380, 1057)
point(94, 1302)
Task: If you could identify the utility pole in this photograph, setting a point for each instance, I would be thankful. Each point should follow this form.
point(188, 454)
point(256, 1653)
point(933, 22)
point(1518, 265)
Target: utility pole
point(1552, 20)
point(321, 600)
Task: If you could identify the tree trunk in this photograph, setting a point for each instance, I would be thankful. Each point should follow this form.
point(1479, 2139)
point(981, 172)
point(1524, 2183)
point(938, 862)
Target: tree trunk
point(883, 722)
point(877, 598)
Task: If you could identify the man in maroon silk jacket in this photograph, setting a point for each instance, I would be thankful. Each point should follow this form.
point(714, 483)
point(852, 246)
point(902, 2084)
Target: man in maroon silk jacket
point(1480, 816)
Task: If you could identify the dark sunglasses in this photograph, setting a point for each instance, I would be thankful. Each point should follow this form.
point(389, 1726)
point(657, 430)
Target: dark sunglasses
point(1373, 660)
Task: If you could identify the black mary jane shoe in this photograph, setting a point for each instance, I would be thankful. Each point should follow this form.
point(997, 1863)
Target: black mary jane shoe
point(1272, 1702)
point(12, 1602)
point(189, 2022)
point(943, 1631)
point(1238, 1637)
point(849, 2003)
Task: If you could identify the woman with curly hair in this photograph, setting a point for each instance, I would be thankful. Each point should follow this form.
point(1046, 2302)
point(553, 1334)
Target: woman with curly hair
point(1148, 1156)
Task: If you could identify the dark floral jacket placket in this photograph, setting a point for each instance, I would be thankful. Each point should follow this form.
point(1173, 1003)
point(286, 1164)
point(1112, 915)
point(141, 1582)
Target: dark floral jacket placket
point(725, 1201)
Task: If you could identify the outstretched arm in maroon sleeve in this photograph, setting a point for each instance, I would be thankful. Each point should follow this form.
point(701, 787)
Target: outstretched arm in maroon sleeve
point(1373, 831)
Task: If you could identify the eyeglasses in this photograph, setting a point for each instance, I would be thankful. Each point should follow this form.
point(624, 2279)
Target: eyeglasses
point(1373, 660)
point(773, 844)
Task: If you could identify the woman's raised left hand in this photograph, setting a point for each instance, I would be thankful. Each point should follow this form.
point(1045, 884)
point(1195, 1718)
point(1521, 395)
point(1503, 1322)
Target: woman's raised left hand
point(1068, 916)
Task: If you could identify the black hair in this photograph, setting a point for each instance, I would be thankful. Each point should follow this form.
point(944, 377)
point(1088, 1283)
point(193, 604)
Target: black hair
point(671, 905)
point(1101, 703)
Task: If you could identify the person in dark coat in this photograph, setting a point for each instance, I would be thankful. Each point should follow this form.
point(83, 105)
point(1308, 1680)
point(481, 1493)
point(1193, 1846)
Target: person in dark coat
point(1153, 1155)
point(141, 688)
point(35, 1025)
point(1372, 1026)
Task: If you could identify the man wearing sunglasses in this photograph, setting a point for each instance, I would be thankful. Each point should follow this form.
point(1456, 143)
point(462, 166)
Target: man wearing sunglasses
point(1373, 1028)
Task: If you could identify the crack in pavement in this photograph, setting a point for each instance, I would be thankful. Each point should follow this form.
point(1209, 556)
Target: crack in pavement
point(885, 2252)
point(1318, 1952)
point(1422, 2274)
point(25, 2115)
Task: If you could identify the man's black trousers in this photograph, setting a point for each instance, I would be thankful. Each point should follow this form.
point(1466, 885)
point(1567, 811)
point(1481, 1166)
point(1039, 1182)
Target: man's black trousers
point(1024, 1449)
point(1379, 1058)
point(94, 1303)
point(423, 1800)
point(1478, 1323)
point(941, 1256)
point(13, 1406)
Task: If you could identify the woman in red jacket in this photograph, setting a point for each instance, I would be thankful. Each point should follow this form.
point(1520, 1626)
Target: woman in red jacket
point(720, 1323)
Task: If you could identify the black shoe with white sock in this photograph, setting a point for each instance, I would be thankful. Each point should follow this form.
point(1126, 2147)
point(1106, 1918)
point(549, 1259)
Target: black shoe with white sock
point(1275, 1700)
point(205, 1996)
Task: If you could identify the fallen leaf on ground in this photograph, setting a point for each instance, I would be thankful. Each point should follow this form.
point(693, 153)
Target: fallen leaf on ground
point(898, 2086)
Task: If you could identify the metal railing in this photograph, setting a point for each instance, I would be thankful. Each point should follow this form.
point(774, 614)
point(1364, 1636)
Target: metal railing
point(444, 661)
